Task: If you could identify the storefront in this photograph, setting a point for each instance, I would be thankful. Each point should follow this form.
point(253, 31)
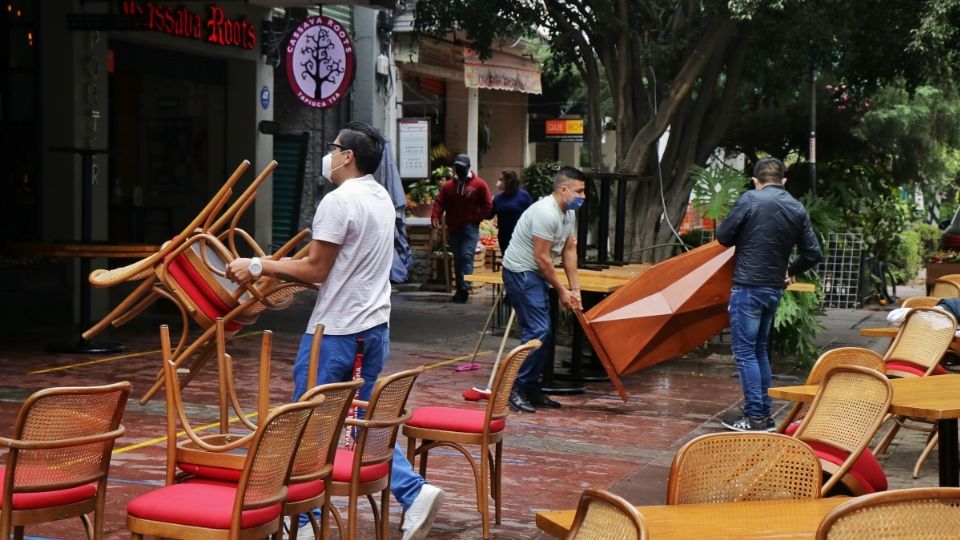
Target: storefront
point(168, 96)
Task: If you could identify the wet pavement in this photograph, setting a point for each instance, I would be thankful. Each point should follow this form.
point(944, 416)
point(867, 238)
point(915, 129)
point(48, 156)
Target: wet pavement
point(595, 440)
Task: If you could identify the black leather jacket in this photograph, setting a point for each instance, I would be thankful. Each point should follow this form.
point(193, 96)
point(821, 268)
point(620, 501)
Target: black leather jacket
point(764, 225)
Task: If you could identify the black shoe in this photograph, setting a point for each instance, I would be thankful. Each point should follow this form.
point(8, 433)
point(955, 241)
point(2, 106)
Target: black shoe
point(540, 399)
point(750, 424)
point(518, 403)
point(460, 297)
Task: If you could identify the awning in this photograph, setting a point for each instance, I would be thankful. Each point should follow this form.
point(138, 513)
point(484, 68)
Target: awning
point(501, 72)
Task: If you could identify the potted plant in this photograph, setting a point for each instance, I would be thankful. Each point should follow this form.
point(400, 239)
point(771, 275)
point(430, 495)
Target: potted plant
point(421, 194)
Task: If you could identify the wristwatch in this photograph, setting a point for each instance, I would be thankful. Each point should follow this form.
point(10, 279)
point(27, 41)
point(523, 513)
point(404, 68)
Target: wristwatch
point(256, 267)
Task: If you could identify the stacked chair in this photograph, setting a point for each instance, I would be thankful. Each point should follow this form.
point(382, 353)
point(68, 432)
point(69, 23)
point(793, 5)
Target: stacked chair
point(188, 270)
point(454, 427)
point(58, 457)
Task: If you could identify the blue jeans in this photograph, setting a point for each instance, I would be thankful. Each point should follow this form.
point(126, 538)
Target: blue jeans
point(529, 296)
point(336, 365)
point(463, 245)
point(751, 316)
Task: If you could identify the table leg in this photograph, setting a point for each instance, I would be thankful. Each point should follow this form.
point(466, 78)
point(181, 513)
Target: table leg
point(947, 448)
point(549, 386)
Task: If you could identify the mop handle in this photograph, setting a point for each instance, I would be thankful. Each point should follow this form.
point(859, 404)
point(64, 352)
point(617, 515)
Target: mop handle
point(503, 342)
point(486, 325)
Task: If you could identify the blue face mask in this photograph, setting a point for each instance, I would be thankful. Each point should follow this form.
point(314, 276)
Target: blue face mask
point(575, 203)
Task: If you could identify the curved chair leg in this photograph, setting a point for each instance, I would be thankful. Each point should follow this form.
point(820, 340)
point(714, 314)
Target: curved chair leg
point(18, 532)
point(932, 442)
point(352, 515)
point(483, 486)
point(497, 474)
point(887, 437)
point(339, 520)
point(384, 530)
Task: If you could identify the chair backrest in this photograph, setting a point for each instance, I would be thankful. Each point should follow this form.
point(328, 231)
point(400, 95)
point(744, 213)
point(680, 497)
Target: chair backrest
point(266, 471)
point(733, 467)
point(920, 301)
point(601, 515)
point(928, 513)
point(318, 446)
point(925, 336)
point(503, 381)
point(849, 407)
point(842, 356)
point(68, 435)
point(382, 419)
point(945, 288)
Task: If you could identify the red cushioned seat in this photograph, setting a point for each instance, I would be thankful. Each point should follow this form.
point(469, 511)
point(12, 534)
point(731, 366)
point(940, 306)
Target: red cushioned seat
point(222, 474)
point(909, 367)
point(792, 428)
point(46, 499)
point(199, 292)
point(866, 469)
point(301, 491)
point(198, 504)
point(343, 466)
point(453, 419)
point(296, 491)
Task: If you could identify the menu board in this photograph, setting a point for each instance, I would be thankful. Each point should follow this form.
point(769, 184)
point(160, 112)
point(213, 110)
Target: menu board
point(414, 147)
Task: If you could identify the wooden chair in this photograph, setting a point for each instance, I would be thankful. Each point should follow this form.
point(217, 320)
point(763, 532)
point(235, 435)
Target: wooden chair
point(928, 513)
point(850, 404)
point(252, 508)
point(917, 351)
point(365, 468)
point(455, 427)
point(188, 271)
point(945, 288)
point(313, 464)
point(59, 455)
point(920, 301)
point(601, 515)
point(842, 356)
point(734, 467)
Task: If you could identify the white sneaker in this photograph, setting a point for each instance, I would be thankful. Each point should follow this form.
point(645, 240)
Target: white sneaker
point(419, 517)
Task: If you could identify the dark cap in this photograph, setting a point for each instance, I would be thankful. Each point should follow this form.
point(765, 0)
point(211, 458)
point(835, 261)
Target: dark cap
point(463, 160)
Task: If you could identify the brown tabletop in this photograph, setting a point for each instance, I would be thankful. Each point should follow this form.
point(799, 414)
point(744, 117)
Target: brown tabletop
point(723, 521)
point(933, 398)
point(93, 251)
point(592, 282)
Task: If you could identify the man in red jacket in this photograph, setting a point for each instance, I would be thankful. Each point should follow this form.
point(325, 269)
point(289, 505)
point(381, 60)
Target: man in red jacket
point(467, 201)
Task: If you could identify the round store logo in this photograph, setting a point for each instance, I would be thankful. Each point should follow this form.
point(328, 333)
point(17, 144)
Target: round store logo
point(320, 62)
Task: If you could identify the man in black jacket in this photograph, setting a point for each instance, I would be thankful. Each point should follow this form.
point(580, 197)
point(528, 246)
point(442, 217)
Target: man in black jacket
point(764, 225)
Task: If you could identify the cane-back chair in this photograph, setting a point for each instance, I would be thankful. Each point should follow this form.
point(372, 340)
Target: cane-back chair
point(945, 288)
point(364, 468)
point(850, 404)
point(734, 467)
point(189, 271)
point(251, 508)
point(927, 513)
point(917, 351)
point(58, 457)
point(601, 515)
point(313, 464)
point(920, 301)
point(220, 455)
point(455, 427)
point(842, 356)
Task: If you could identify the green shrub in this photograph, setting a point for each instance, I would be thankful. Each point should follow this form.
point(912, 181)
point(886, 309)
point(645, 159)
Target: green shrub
point(906, 256)
point(929, 239)
point(538, 178)
point(796, 324)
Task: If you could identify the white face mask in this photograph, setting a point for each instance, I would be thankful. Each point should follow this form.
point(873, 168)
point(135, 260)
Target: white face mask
point(499, 185)
point(326, 165)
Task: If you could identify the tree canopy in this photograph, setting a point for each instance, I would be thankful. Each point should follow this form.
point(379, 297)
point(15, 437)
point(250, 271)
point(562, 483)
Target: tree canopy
point(704, 68)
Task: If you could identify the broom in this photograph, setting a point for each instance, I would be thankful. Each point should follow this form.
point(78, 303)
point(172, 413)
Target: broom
point(476, 394)
point(472, 364)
